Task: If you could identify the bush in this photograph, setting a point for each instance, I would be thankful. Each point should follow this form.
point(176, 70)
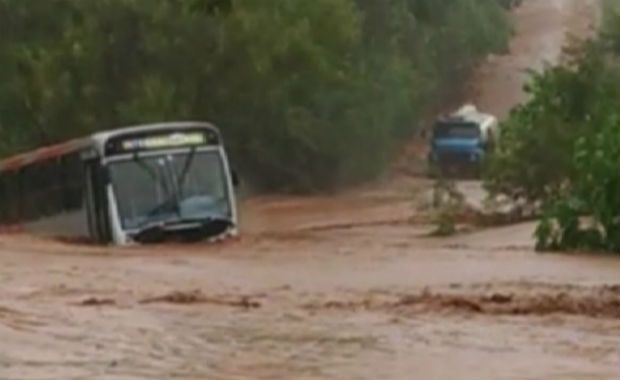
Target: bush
point(534, 157)
point(561, 149)
point(594, 193)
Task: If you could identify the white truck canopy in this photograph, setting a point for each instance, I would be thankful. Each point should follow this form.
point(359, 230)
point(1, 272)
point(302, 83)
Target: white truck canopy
point(469, 113)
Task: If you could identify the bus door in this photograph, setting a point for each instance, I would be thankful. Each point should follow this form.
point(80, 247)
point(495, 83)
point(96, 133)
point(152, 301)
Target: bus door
point(97, 181)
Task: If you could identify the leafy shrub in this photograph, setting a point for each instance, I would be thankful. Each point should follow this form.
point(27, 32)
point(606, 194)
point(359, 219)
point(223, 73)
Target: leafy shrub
point(595, 193)
point(561, 149)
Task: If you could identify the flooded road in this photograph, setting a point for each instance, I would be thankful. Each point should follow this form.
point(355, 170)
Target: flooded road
point(342, 287)
point(362, 303)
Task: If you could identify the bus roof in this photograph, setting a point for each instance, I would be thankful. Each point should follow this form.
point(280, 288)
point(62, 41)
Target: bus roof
point(105, 135)
point(96, 140)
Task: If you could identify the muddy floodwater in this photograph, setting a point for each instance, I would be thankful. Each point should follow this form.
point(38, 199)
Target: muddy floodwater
point(342, 287)
point(372, 302)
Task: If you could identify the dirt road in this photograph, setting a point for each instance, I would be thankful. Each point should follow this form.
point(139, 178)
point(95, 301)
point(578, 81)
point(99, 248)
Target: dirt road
point(343, 287)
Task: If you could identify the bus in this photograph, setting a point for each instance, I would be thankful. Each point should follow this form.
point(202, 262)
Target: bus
point(140, 184)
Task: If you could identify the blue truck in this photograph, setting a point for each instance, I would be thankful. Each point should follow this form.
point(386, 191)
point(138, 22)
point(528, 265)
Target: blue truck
point(459, 142)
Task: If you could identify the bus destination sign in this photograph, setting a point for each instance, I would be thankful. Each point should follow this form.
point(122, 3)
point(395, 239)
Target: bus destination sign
point(159, 141)
point(166, 141)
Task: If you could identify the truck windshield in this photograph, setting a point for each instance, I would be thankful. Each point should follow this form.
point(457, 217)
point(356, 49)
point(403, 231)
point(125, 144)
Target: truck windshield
point(188, 186)
point(456, 130)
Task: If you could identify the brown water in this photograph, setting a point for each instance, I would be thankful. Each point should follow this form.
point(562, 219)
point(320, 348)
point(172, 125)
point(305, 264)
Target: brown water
point(362, 303)
point(341, 287)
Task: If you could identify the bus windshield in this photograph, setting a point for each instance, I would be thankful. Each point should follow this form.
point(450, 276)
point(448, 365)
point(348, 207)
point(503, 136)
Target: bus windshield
point(447, 130)
point(172, 187)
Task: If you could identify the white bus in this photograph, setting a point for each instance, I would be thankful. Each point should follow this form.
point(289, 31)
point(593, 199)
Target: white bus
point(142, 184)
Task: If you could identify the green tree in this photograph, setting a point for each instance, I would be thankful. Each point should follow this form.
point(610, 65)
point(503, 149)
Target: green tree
point(561, 149)
point(310, 95)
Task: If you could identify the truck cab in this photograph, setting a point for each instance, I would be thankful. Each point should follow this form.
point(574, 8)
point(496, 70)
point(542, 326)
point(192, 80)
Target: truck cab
point(460, 141)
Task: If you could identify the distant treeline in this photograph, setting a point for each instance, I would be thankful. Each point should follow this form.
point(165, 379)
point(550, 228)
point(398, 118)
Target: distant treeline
point(309, 94)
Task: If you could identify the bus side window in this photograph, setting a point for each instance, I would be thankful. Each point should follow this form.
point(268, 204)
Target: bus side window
point(37, 189)
point(73, 182)
point(35, 185)
point(14, 196)
point(45, 184)
point(52, 175)
point(27, 193)
point(99, 219)
point(4, 199)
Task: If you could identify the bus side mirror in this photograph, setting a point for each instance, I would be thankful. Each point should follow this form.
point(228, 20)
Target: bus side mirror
point(235, 178)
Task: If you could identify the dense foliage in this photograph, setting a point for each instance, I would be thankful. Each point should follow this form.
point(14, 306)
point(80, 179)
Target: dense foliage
point(562, 148)
point(309, 94)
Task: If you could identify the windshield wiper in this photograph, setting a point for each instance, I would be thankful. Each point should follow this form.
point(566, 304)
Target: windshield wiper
point(211, 225)
point(172, 203)
point(150, 172)
point(186, 166)
point(177, 195)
